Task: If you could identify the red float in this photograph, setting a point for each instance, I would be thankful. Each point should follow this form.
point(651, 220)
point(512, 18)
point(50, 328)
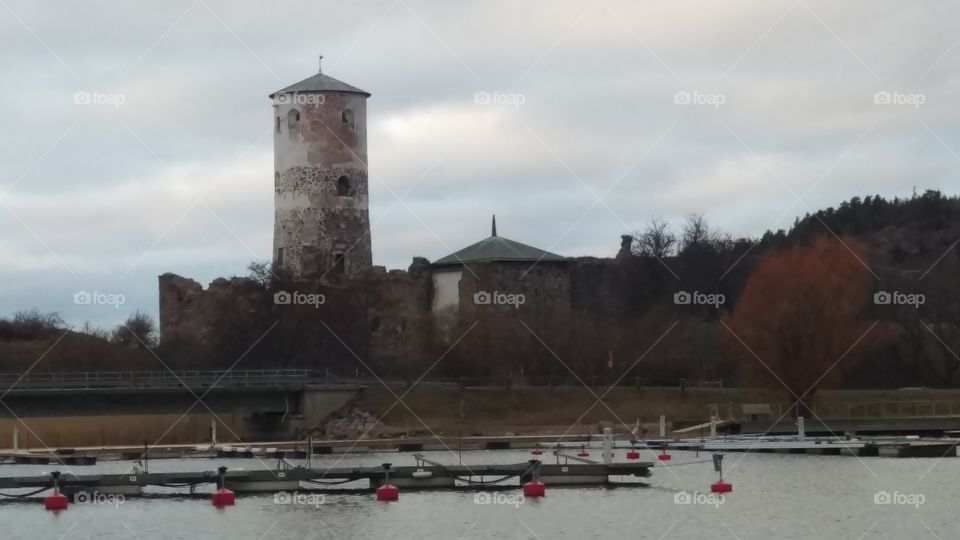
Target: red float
point(583, 453)
point(55, 502)
point(223, 497)
point(664, 456)
point(633, 454)
point(536, 451)
point(388, 493)
point(721, 487)
point(534, 489)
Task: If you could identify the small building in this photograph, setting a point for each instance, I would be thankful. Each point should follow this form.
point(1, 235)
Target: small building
point(495, 264)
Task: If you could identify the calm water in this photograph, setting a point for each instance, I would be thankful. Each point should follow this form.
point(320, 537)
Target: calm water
point(775, 496)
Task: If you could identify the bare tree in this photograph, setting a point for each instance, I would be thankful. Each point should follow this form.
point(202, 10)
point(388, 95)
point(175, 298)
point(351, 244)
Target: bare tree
point(139, 330)
point(95, 331)
point(657, 240)
point(698, 237)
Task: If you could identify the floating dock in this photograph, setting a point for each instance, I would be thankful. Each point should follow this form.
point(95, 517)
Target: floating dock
point(904, 447)
point(424, 476)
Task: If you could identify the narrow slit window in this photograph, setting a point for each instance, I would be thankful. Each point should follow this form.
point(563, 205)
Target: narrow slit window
point(343, 186)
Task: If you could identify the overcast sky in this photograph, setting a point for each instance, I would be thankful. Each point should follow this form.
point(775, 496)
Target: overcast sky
point(585, 136)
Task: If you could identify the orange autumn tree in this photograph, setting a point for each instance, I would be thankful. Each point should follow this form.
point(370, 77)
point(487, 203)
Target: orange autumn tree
point(801, 319)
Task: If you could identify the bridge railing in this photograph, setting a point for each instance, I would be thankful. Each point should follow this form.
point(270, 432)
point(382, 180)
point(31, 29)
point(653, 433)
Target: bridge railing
point(94, 380)
point(262, 378)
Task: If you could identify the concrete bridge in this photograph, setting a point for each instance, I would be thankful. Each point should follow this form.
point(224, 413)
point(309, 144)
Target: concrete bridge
point(130, 407)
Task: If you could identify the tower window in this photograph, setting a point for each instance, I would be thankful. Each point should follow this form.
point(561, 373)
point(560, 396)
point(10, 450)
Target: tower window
point(280, 257)
point(293, 123)
point(347, 117)
point(338, 263)
point(278, 125)
point(343, 186)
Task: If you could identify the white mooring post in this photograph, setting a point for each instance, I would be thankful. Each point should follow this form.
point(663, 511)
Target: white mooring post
point(663, 426)
point(607, 446)
point(16, 438)
point(800, 428)
point(213, 432)
point(713, 427)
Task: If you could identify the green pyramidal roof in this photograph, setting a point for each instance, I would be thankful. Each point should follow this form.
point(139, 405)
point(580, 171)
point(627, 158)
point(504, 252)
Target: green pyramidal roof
point(498, 249)
point(321, 83)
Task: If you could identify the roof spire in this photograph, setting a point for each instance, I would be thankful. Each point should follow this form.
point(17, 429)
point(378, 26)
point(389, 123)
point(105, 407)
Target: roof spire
point(493, 226)
point(320, 64)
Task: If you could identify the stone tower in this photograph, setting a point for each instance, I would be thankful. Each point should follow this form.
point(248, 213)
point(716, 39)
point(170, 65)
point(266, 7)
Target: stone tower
point(322, 222)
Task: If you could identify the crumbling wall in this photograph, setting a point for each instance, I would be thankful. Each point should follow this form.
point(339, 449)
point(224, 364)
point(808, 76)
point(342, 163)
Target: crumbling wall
point(381, 319)
point(399, 315)
point(188, 313)
point(515, 287)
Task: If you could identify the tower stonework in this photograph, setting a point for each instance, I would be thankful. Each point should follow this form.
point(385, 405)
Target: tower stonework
point(321, 222)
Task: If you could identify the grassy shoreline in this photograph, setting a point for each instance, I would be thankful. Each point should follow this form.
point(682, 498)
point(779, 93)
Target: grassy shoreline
point(426, 411)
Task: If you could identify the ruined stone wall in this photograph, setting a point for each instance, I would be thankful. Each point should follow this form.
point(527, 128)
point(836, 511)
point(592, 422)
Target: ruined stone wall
point(321, 185)
point(386, 318)
point(399, 315)
point(617, 288)
point(189, 314)
point(382, 318)
point(545, 287)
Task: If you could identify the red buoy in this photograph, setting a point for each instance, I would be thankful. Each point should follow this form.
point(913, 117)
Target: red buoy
point(536, 451)
point(534, 489)
point(57, 501)
point(388, 493)
point(720, 487)
point(633, 454)
point(223, 497)
point(583, 453)
point(664, 456)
